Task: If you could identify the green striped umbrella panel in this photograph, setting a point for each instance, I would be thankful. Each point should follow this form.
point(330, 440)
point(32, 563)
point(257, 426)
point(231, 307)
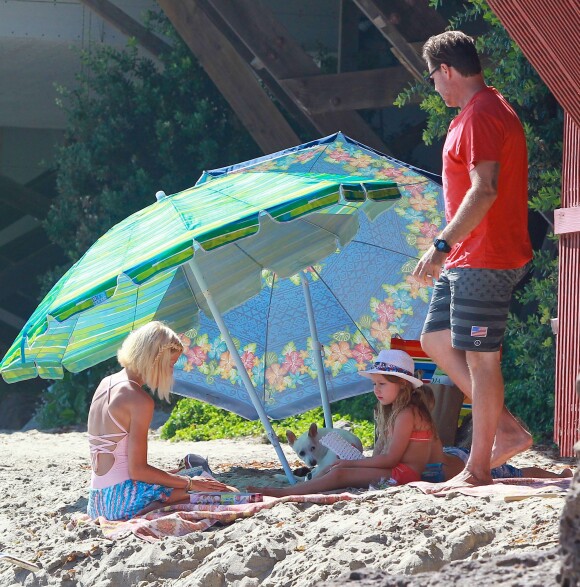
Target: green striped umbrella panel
point(236, 225)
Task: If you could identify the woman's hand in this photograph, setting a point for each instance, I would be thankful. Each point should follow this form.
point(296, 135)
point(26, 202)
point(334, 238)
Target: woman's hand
point(207, 484)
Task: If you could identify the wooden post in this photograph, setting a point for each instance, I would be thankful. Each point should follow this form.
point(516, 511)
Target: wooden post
point(448, 402)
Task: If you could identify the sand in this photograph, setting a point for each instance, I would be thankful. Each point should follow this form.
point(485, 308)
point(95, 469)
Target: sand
point(43, 484)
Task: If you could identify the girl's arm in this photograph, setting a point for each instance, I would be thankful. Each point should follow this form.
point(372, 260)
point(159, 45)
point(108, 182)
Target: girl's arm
point(141, 412)
point(397, 446)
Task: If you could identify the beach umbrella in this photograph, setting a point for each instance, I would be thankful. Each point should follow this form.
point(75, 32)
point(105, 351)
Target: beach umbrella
point(242, 261)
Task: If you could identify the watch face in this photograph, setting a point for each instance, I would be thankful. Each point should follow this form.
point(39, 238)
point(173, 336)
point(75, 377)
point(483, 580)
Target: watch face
point(441, 245)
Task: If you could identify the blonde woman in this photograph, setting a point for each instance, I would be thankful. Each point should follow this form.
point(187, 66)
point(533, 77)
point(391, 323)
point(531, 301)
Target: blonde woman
point(123, 484)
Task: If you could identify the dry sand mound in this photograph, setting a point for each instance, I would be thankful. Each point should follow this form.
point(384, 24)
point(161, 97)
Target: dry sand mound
point(43, 483)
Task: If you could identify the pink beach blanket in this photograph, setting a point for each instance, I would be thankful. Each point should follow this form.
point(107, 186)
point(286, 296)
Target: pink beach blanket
point(179, 520)
point(506, 489)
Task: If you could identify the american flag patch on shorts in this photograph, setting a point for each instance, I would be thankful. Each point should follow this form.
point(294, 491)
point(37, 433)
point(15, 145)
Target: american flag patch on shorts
point(479, 331)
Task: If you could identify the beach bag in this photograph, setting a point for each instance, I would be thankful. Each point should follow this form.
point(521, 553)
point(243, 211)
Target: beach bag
point(194, 465)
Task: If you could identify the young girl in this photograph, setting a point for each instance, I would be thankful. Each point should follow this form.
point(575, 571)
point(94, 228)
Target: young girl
point(123, 484)
point(409, 430)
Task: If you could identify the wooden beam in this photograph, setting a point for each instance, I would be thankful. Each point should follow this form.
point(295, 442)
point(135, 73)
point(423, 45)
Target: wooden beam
point(402, 50)
point(127, 25)
point(24, 199)
point(376, 88)
point(276, 51)
point(567, 220)
point(274, 89)
point(414, 19)
point(22, 226)
point(348, 33)
point(23, 275)
point(231, 75)
point(124, 23)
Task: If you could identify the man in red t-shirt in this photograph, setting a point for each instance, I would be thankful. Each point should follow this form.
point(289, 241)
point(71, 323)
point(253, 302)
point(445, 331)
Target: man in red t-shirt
point(482, 253)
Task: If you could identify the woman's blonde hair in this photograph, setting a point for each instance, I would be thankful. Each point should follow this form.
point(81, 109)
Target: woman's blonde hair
point(147, 352)
point(407, 397)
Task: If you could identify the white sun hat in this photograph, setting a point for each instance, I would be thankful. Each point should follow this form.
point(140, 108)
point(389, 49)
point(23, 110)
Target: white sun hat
point(397, 363)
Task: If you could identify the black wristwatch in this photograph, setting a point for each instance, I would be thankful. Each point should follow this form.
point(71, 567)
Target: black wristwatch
point(441, 245)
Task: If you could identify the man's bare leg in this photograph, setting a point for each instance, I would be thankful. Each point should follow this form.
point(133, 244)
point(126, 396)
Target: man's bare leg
point(453, 361)
point(487, 401)
point(511, 437)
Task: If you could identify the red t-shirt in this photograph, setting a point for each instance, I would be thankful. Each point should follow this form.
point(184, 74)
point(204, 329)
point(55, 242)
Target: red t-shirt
point(488, 129)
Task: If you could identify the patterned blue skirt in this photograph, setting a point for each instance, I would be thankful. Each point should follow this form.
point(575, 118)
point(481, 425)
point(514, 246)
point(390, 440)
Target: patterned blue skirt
point(124, 500)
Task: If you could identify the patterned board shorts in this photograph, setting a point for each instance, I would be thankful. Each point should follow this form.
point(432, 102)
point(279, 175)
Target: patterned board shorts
point(474, 305)
point(124, 500)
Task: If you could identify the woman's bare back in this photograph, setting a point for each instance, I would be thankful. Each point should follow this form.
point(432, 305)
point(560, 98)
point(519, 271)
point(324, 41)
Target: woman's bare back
point(110, 418)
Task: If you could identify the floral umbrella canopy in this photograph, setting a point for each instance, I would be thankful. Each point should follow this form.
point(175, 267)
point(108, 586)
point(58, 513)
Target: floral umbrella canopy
point(362, 295)
point(232, 246)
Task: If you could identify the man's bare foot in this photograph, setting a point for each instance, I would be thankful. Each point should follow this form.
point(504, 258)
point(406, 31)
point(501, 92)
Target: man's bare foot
point(511, 439)
point(566, 473)
point(464, 479)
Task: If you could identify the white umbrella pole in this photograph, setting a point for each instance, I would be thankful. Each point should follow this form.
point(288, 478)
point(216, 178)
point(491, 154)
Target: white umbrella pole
point(192, 264)
point(317, 353)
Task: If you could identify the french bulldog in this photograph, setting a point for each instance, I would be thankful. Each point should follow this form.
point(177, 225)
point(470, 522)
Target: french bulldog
point(309, 449)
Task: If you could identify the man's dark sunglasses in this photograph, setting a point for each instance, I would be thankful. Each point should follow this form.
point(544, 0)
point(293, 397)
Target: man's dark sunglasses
point(428, 77)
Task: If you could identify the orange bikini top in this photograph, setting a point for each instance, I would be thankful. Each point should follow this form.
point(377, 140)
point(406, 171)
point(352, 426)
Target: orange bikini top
point(421, 435)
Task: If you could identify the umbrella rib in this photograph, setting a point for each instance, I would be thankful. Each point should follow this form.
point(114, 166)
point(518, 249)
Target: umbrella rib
point(429, 175)
point(239, 247)
point(359, 241)
point(267, 330)
point(191, 290)
point(343, 308)
point(384, 248)
point(315, 161)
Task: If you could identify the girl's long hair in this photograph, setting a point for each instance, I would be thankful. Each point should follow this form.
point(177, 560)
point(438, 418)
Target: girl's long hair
point(147, 351)
point(416, 398)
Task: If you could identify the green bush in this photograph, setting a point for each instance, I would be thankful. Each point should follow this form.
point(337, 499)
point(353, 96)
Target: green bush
point(66, 402)
point(194, 420)
point(530, 351)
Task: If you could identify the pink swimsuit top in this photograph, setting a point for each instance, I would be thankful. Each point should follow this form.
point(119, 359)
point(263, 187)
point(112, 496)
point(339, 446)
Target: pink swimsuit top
point(111, 444)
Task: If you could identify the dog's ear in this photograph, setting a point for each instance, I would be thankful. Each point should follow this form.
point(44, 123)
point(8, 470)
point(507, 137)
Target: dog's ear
point(313, 430)
point(291, 437)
